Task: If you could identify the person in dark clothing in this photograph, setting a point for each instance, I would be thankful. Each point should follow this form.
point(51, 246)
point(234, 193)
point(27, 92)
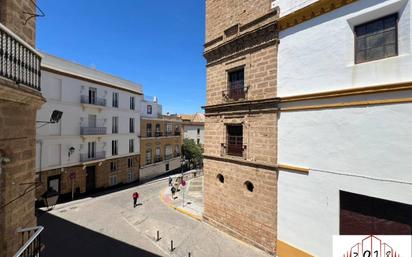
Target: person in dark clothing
point(135, 196)
point(170, 181)
point(173, 190)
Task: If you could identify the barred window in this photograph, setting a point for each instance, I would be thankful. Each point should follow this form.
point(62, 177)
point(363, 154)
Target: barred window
point(377, 39)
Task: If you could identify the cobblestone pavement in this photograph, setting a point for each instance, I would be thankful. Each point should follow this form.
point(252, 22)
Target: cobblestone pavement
point(108, 225)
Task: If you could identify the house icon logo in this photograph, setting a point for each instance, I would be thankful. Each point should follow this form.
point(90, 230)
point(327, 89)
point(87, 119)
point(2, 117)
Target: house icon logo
point(372, 246)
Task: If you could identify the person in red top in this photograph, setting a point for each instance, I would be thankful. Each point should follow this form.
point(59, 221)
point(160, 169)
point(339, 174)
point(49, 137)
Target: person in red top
point(135, 196)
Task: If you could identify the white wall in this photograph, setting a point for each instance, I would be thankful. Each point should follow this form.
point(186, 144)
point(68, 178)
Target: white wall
point(153, 170)
point(190, 132)
point(318, 55)
point(363, 150)
point(63, 93)
point(156, 109)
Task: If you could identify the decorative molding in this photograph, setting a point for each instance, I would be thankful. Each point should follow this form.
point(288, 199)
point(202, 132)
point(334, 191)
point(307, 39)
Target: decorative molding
point(242, 44)
point(293, 168)
point(309, 12)
point(349, 92)
point(264, 105)
point(266, 166)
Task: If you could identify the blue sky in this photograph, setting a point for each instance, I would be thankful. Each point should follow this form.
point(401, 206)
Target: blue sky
point(158, 44)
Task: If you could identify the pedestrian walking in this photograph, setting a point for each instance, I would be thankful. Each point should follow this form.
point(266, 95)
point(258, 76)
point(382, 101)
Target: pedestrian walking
point(170, 181)
point(135, 196)
point(173, 190)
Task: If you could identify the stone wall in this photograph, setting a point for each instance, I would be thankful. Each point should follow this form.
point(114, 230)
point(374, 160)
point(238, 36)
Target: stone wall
point(242, 35)
point(18, 106)
point(222, 14)
point(250, 216)
point(13, 14)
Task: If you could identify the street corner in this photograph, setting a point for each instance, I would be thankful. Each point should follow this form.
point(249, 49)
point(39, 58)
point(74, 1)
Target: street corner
point(177, 204)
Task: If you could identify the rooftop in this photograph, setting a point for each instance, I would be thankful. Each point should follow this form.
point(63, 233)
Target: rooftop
point(58, 64)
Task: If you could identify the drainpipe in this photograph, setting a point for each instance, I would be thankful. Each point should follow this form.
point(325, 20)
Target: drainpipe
point(41, 157)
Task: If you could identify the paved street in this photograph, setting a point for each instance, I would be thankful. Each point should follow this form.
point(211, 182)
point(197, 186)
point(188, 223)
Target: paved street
point(108, 225)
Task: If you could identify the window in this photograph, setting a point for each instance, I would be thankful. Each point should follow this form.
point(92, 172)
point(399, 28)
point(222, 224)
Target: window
point(236, 84)
point(149, 130)
point(169, 128)
point(113, 166)
point(158, 158)
point(377, 39)
point(167, 166)
point(235, 140)
point(92, 120)
point(177, 149)
point(148, 156)
point(131, 145)
point(149, 109)
point(92, 95)
point(198, 131)
point(129, 162)
point(132, 103)
point(129, 176)
point(177, 130)
point(131, 125)
point(53, 183)
point(198, 141)
point(114, 147)
point(115, 100)
point(113, 180)
point(91, 150)
point(115, 125)
point(158, 132)
point(364, 215)
point(168, 152)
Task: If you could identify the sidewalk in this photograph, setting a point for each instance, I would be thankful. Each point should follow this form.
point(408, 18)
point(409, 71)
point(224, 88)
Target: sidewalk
point(189, 200)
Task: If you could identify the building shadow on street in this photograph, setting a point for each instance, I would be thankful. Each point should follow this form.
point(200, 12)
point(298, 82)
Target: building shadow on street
point(66, 239)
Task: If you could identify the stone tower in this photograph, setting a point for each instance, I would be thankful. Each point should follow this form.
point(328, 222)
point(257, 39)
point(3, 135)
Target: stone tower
point(241, 120)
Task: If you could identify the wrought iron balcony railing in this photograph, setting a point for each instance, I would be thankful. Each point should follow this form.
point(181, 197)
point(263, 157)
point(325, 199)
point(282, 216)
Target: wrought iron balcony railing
point(177, 133)
point(18, 60)
point(158, 134)
point(236, 91)
point(32, 246)
point(86, 130)
point(168, 156)
point(85, 99)
point(234, 149)
point(92, 156)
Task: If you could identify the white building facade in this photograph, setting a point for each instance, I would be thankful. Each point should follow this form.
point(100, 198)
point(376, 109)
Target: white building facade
point(95, 145)
point(194, 127)
point(345, 86)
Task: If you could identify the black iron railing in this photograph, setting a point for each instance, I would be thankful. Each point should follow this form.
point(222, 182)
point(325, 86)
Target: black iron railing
point(168, 156)
point(234, 147)
point(236, 91)
point(18, 61)
point(31, 242)
point(92, 156)
point(158, 159)
point(85, 99)
point(158, 134)
point(86, 130)
point(177, 133)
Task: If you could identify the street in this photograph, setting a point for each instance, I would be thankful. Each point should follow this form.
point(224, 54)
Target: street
point(108, 225)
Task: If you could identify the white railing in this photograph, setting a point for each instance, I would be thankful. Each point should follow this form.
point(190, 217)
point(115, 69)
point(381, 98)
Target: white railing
point(32, 247)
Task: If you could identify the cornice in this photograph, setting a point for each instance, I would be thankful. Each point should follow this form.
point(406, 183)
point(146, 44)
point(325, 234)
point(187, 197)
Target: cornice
point(309, 12)
point(259, 165)
point(270, 105)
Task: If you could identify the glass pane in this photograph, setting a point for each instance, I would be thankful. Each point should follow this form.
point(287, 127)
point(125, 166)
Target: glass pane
point(361, 43)
point(374, 41)
point(390, 50)
point(360, 30)
point(389, 37)
point(360, 56)
point(390, 22)
point(374, 27)
point(375, 53)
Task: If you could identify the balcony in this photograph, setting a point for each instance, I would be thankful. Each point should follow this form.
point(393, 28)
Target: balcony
point(87, 131)
point(158, 134)
point(85, 99)
point(234, 149)
point(92, 156)
point(177, 133)
point(237, 91)
point(168, 156)
point(32, 246)
point(19, 61)
point(148, 161)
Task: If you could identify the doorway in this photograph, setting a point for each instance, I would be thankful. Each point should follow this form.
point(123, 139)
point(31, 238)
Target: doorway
point(90, 179)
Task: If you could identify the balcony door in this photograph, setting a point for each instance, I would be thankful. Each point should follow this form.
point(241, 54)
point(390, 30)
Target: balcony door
point(235, 140)
point(90, 178)
point(91, 151)
point(92, 121)
point(92, 95)
point(236, 84)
